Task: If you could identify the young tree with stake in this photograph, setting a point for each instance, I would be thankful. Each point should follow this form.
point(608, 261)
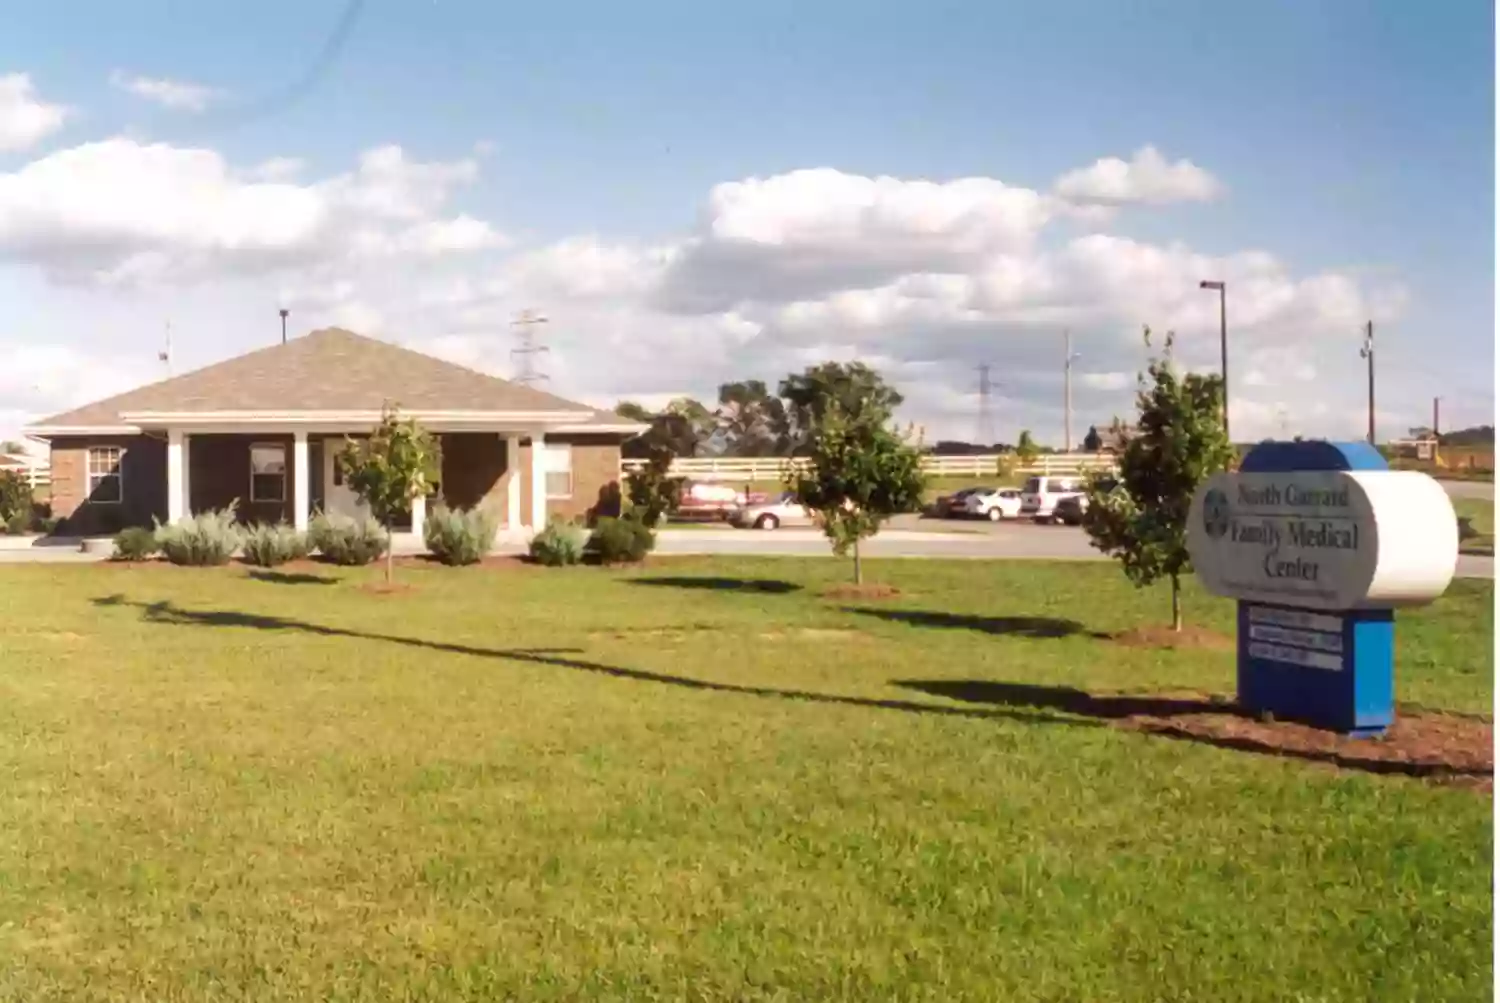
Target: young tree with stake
point(1179, 443)
point(395, 466)
point(858, 474)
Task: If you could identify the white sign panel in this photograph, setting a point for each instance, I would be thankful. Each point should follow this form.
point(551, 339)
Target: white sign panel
point(1328, 540)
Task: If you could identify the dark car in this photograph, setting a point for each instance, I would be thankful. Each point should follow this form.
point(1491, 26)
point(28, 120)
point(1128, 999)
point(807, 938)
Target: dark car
point(952, 506)
point(1069, 510)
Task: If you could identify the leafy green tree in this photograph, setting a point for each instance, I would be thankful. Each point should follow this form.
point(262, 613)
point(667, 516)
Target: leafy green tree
point(858, 474)
point(654, 493)
point(12, 447)
point(752, 420)
point(1179, 443)
point(397, 464)
point(1026, 449)
point(684, 428)
point(1093, 441)
point(853, 389)
point(632, 411)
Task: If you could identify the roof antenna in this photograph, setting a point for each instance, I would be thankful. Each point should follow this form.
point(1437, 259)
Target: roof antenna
point(283, 311)
point(165, 355)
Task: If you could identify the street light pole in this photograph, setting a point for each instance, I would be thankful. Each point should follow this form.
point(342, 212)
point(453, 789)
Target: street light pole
point(1069, 357)
point(1368, 352)
point(1223, 345)
point(284, 312)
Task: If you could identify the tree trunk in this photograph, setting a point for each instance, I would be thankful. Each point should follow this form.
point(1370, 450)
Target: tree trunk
point(390, 555)
point(859, 571)
point(1176, 604)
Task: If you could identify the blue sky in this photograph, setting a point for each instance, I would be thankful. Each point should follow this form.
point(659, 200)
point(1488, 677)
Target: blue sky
point(1354, 137)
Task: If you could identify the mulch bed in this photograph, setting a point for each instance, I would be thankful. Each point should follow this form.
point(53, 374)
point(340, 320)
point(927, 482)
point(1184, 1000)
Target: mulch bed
point(498, 562)
point(872, 590)
point(1441, 748)
point(1196, 638)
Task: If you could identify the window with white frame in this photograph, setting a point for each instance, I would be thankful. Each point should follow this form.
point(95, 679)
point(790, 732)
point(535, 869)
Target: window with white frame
point(104, 474)
point(557, 464)
point(268, 472)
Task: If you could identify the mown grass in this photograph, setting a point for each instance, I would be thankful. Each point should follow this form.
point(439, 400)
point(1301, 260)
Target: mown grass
point(1481, 515)
point(694, 781)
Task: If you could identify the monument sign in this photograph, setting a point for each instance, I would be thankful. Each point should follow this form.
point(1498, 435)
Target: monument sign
point(1320, 542)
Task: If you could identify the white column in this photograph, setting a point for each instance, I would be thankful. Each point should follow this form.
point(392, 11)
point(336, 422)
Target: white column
point(418, 516)
point(187, 475)
point(513, 485)
point(538, 482)
point(174, 476)
point(301, 497)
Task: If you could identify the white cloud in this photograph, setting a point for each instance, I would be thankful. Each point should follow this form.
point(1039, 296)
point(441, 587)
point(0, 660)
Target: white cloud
point(927, 280)
point(1147, 177)
point(190, 216)
point(178, 95)
point(25, 119)
point(1107, 381)
point(812, 232)
point(277, 169)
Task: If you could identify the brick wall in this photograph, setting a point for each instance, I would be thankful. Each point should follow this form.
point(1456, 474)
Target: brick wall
point(596, 478)
point(219, 473)
point(474, 473)
point(143, 467)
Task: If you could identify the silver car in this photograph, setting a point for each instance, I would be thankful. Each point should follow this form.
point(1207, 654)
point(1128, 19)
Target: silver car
point(783, 511)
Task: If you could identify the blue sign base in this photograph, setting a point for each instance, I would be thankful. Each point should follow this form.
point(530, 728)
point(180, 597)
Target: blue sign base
point(1328, 670)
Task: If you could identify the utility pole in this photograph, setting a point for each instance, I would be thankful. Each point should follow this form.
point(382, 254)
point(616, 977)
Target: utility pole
point(284, 311)
point(1069, 357)
point(525, 324)
point(986, 427)
point(1435, 428)
point(1368, 352)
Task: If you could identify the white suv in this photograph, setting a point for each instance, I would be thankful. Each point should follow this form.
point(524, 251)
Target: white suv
point(1040, 495)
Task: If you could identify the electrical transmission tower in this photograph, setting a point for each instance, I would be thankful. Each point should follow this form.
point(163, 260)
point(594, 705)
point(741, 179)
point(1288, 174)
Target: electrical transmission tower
point(526, 353)
point(986, 426)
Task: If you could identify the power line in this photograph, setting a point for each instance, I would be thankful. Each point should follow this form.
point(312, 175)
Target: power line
point(277, 102)
point(526, 353)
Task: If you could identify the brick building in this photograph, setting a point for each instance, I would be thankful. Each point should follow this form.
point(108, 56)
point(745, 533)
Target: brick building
point(263, 430)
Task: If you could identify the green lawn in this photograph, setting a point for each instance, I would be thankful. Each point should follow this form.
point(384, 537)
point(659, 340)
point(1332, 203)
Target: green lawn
point(695, 781)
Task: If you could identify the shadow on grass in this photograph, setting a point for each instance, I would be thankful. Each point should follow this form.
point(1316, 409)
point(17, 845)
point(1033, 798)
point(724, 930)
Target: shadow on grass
point(166, 612)
point(764, 586)
point(1158, 712)
point(290, 577)
point(1113, 707)
point(1015, 626)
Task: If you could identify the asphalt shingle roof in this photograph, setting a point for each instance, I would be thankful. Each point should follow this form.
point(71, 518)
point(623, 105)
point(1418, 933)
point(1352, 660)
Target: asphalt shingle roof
point(328, 370)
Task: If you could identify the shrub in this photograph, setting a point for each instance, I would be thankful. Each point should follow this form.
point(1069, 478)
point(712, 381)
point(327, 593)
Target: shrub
point(202, 540)
point(135, 544)
point(618, 541)
point(267, 546)
point(460, 536)
point(15, 503)
point(349, 542)
point(558, 544)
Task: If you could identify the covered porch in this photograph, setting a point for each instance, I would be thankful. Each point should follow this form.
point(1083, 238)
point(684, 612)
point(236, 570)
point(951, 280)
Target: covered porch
point(286, 471)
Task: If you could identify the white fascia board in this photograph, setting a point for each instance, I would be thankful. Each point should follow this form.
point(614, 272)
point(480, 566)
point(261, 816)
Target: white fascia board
point(623, 428)
point(485, 420)
point(47, 432)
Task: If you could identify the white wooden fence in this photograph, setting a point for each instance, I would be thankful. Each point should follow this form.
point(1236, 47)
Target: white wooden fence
point(37, 475)
point(770, 468)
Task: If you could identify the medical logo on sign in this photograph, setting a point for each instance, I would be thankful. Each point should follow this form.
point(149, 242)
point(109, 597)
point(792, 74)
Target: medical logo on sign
point(1215, 514)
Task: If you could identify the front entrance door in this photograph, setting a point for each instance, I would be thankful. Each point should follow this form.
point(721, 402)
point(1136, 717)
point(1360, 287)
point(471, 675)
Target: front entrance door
point(338, 499)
